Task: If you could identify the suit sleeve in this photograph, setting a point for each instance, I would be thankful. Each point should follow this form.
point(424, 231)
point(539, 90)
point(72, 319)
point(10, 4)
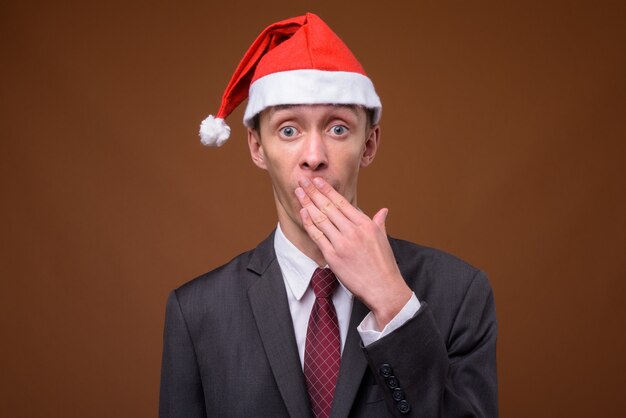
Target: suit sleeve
point(181, 386)
point(425, 376)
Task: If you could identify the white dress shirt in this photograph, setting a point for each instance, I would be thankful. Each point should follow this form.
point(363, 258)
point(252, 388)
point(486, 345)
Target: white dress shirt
point(297, 269)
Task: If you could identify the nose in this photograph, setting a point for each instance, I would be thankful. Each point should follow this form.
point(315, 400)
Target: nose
point(314, 154)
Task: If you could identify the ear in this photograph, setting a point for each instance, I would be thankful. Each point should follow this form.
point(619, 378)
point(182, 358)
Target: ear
point(371, 145)
point(256, 149)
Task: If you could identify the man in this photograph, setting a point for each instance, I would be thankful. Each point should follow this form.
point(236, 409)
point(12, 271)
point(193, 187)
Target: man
point(328, 316)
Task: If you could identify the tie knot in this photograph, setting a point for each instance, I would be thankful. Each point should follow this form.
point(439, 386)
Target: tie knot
point(323, 282)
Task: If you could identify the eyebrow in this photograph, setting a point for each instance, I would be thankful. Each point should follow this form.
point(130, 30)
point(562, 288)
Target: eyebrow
point(278, 108)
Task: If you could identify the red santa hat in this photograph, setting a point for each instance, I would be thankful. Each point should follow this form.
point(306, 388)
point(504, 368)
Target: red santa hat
point(295, 61)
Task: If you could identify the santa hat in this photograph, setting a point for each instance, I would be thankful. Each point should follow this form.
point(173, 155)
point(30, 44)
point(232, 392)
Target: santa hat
point(295, 61)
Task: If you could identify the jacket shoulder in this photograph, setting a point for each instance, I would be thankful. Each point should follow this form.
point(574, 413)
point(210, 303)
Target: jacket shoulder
point(431, 260)
point(445, 282)
point(229, 277)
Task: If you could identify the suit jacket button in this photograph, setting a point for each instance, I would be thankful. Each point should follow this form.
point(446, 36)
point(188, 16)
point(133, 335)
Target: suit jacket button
point(398, 394)
point(404, 407)
point(385, 370)
point(392, 382)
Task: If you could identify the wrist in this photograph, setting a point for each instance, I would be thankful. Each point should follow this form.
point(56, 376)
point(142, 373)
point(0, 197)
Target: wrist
point(390, 305)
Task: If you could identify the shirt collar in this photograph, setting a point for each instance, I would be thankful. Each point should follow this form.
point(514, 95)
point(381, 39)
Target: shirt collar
point(296, 266)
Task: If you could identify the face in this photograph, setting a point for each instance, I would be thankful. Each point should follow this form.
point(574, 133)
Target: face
point(328, 141)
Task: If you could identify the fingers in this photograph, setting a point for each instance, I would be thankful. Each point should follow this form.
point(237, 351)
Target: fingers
point(316, 216)
point(327, 213)
point(326, 216)
point(322, 190)
point(380, 218)
point(332, 204)
point(314, 232)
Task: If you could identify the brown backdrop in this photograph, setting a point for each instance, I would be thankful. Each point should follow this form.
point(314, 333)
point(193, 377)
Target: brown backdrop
point(503, 134)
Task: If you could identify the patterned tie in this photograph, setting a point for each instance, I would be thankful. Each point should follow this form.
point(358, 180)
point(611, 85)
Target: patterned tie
point(322, 350)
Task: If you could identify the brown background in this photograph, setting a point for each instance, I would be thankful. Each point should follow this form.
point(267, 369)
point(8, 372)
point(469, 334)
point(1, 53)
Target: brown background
point(503, 134)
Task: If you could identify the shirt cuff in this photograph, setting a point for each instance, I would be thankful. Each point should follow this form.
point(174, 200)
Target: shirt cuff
point(368, 329)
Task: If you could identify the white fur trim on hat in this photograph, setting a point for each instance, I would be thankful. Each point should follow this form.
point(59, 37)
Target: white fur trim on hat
point(214, 131)
point(311, 87)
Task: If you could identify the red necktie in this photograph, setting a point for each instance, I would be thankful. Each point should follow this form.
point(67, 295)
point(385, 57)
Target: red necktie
point(322, 350)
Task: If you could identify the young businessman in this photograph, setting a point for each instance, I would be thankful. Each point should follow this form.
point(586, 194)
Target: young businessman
point(328, 316)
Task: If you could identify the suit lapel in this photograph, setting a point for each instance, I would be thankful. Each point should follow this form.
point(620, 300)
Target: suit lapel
point(353, 365)
point(268, 299)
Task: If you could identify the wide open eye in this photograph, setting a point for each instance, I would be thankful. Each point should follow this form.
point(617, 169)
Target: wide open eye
point(288, 131)
point(338, 130)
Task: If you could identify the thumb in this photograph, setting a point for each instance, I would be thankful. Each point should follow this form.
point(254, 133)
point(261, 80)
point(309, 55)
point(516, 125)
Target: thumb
point(380, 218)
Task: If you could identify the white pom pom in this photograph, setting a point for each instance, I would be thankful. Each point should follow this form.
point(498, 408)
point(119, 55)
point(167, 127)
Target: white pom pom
point(214, 131)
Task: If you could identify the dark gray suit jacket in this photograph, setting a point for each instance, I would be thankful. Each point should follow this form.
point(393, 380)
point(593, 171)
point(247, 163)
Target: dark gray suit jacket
point(229, 348)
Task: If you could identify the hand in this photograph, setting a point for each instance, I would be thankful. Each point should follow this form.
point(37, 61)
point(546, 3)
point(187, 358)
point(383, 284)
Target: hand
point(355, 247)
